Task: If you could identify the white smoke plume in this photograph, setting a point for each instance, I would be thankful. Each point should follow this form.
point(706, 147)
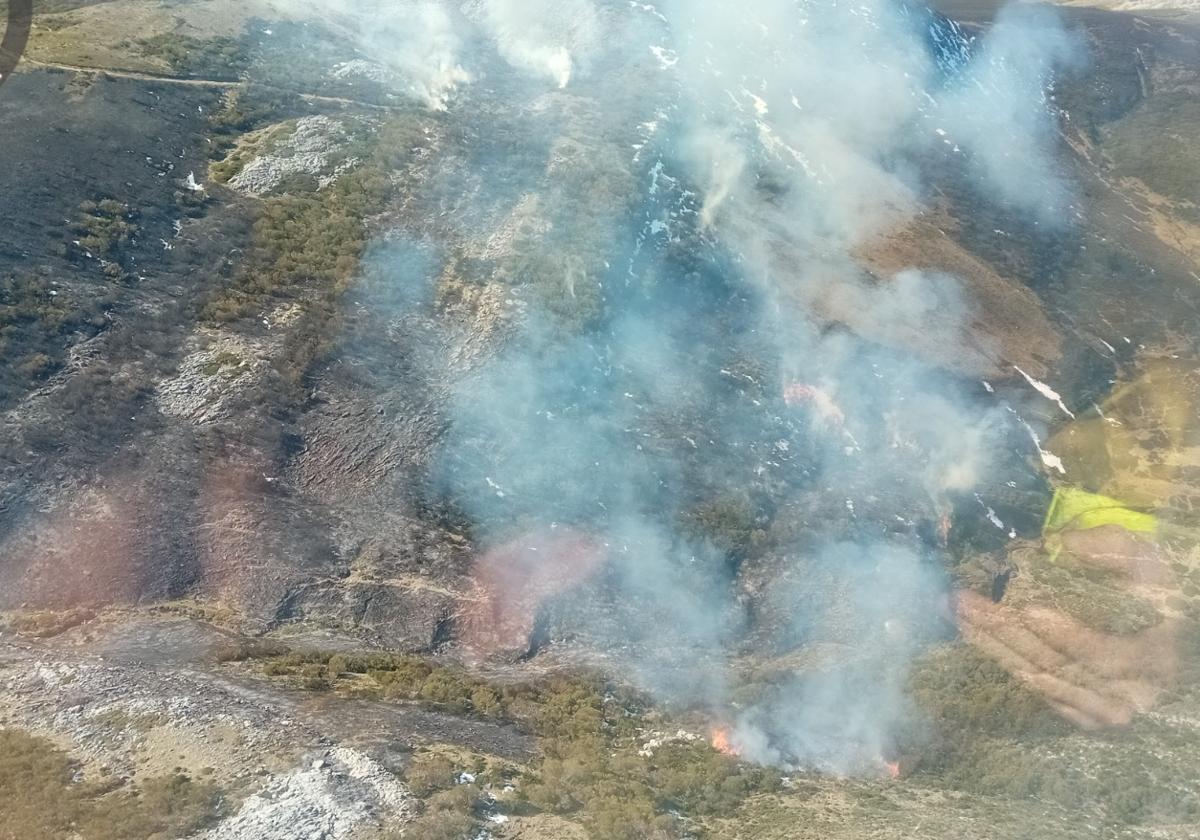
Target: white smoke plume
point(726, 164)
point(808, 125)
point(1011, 137)
point(736, 349)
point(545, 38)
point(417, 42)
point(422, 45)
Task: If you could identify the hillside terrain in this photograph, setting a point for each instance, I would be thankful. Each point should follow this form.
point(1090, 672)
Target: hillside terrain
point(438, 420)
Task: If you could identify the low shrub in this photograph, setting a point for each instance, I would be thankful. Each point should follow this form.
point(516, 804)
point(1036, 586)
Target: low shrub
point(40, 797)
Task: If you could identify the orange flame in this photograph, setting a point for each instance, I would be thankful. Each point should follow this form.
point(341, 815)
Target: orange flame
point(722, 742)
point(892, 768)
point(944, 526)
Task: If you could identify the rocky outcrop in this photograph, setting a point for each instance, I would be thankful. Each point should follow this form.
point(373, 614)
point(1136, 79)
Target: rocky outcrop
point(311, 147)
point(403, 614)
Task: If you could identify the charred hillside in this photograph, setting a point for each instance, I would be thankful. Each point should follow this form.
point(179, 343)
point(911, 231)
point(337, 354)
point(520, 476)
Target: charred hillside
point(558, 388)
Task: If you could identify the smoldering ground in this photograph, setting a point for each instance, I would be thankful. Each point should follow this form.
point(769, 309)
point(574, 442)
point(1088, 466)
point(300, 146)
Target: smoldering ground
point(705, 385)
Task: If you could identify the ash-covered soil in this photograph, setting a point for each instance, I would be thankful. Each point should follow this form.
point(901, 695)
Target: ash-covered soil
point(97, 137)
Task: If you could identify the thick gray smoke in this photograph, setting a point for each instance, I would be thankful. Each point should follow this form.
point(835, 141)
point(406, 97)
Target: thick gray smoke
point(705, 371)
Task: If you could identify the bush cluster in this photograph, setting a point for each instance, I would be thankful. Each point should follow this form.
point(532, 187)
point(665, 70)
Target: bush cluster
point(250, 107)
point(47, 624)
point(106, 228)
point(41, 798)
point(590, 737)
point(221, 58)
point(389, 676)
point(594, 768)
point(449, 815)
point(306, 240)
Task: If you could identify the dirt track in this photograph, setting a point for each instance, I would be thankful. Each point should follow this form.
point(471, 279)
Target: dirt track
point(196, 83)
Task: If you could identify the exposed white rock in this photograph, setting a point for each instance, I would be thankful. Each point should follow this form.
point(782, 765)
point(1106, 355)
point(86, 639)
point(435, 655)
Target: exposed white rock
point(209, 378)
point(311, 148)
point(326, 800)
point(362, 69)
